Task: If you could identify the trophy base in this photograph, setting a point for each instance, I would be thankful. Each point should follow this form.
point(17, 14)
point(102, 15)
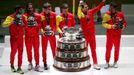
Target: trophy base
point(71, 54)
point(72, 65)
point(72, 70)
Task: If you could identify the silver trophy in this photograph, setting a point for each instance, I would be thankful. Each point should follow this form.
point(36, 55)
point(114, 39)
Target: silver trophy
point(64, 29)
point(71, 54)
point(72, 38)
point(18, 19)
point(31, 21)
point(80, 34)
point(71, 34)
point(48, 31)
point(119, 24)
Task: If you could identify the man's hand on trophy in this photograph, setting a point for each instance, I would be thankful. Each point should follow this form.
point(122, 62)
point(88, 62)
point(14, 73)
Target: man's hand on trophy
point(62, 34)
point(36, 23)
point(113, 26)
point(22, 23)
point(43, 33)
point(52, 33)
point(103, 0)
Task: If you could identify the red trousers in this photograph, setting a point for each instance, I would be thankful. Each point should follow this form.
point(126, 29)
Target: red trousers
point(52, 40)
point(32, 42)
point(91, 40)
point(112, 40)
point(16, 45)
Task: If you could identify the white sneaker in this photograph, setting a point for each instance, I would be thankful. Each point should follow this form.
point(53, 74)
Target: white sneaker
point(106, 66)
point(115, 65)
point(30, 66)
point(38, 69)
point(96, 67)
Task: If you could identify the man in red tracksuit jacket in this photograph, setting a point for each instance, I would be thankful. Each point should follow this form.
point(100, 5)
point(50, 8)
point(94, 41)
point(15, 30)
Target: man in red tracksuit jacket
point(114, 22)
point(15, 24)
point(87, 24)
point(32, 22)
point(49, 20)
point(64, 19)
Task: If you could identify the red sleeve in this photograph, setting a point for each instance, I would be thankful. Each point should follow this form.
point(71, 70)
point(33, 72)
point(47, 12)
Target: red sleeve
point(96, 9)
point(39, 21)
point(54, 25)
point(42, 22)
point(24, 21)
point(124, 21)
point(73, 21)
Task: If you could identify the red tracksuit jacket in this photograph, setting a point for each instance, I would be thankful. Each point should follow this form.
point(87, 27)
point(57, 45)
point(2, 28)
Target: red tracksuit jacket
point(16, 39)
point(52, 39)
point(52, 20)
point(15, 31)
point(33, 31)
point(113, 35)
point(88, 26)
point(107, 22)
point(60, 22)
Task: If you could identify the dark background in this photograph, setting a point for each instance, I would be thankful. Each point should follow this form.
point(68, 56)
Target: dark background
point(6, 6)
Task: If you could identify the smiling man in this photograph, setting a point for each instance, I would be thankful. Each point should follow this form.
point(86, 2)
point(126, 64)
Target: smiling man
point(65, 19)
point(15, 22)
point(86, 17)
point(48, 30)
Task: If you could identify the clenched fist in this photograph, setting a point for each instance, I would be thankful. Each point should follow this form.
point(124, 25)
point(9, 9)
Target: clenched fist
point(103, 0)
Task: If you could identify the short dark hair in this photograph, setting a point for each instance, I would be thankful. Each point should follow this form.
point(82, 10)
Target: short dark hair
point(27, 5)
point(46, 5)
point(64, 6)
point(114, 5)
point(17, 7)
point(83, 4)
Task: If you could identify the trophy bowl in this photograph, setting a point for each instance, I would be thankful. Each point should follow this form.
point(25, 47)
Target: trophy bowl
point(48, 31)
point(18, 19)
point(72, 53)
point(31, 21)
point(70, 33)
point(119, 24)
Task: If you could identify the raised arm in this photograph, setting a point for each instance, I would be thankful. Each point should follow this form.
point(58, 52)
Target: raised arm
point(96, 9)
point(58, 19)
point(80, 13)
